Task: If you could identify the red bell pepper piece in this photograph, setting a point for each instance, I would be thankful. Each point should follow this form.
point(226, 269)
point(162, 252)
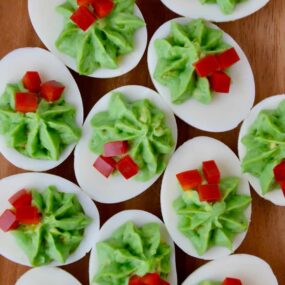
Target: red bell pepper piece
point(51, 90)
point(84, 2)
point(115, 148)
point(151, 279)
point(105, 165)
point(28, 215)
point(190, 179)
point(21, 198)
point(211, 171)
point(206, 66)
point(127, 167)
point(103, 8)
point(83, 18)
point(135, 280)
point(26, 102)
point(227, 58)
point(282, 185)
point(220, 82)
point(8, 221)
point(209, 193)
point(279, 171)
point(32, 81)
point(232, 281)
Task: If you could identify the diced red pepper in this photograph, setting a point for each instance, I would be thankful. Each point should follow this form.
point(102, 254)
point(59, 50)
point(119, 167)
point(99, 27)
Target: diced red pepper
point(189, 180)
point(84, 2)
point(21, 198)
point(51, 90)
point(282, 185)
point(8, 221)
point(220, 82)
point(207, 66)
point(135, 280)
point(103, 8)
point(26, 102)
point(83, 18)
point(151, 279)
point(32, 81)
point(28, 215)
point(115, 148)
point(232, 281)
point(127, 167)
point(209, 193)
point(279, 171)
point(105, 165)
point(228, 58)
point(211, 171)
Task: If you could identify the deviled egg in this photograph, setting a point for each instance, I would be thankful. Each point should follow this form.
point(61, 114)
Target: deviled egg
point(41, 111)
point(45, 220)
point(101, 39)
point(202, 73)
point(261, 149)
point(205, 200)
point(136, 244)
point(128, 138)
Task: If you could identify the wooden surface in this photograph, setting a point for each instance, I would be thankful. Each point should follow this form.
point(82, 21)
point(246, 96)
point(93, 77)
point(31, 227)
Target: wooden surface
point(262, 37)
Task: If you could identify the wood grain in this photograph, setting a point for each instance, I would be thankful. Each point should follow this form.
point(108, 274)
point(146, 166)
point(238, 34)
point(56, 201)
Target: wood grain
point(262, 38)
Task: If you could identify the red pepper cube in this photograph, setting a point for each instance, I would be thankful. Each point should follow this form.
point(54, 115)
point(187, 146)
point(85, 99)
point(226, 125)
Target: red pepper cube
point(282, 185)
point(105, 165)
point(127, 167)
point(135, 280)
point(32, 81)
point(232, 281)
point(8, 221)
point(52, 90)
point(211, 171)
point(83, 18)
point(220, 82)
point(190, 179)
point(103, 8)
point(21, 198)
point(115, 148)
point(151, 279)
point(279, 171)
point(26, 102)
point(206, 66)
point(28, 215)
point(84, 2)
point(227, 58)
point(209, 193)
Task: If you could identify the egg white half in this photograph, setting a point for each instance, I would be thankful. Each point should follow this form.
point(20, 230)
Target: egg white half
point(12, 69)
point(116, 188)
point(211, 12)
point(187, 157)
point(39, 182)
point(139, 218)
point(225, 111)
point(276, 196)
point(48, 24)
point(47, 276)
point(251, 270)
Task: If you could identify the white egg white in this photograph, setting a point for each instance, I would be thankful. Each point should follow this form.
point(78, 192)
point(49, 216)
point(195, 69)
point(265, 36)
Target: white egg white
point(12, 69)
point(251, 270)
point(48, 24)
point(39, 182)
point(225, 111)
point(139, 218)
point(116, 188)
point(271, 103)
point(47, 276)
point(187, 157)
point(212, 12)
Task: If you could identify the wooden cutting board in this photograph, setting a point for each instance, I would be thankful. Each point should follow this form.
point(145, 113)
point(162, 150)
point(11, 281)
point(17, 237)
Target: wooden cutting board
point(261, 36)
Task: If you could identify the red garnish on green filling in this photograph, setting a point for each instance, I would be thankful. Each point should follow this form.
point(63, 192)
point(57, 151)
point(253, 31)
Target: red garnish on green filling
point(213, 67)
point(232, 281)
point(148, 279)
point(279, 175)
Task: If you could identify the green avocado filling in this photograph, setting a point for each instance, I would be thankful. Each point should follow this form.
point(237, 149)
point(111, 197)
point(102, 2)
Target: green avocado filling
point(40, 135)
point(185, 45)
point(102, 45)
point(213, 224)
point(210, 283)
point(265, 146)
point(143, 125)
point(132, 250)
point(226, 6)
point(60, 231)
